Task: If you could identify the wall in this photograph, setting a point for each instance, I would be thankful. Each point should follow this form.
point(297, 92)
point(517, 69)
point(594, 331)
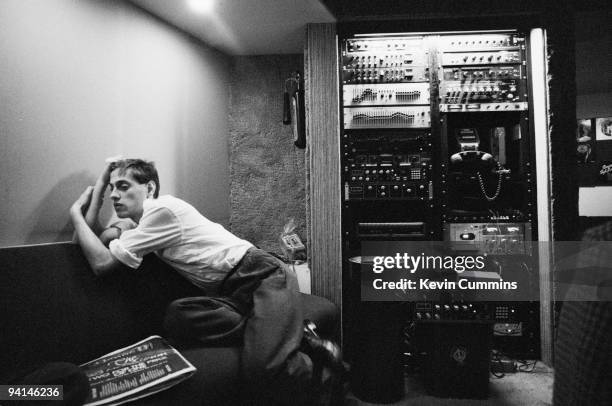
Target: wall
point(593, 61)
point(266, 169)
point(84, 80)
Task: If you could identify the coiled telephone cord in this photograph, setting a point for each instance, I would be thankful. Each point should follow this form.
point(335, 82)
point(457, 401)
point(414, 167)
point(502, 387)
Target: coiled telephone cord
point(499, 183)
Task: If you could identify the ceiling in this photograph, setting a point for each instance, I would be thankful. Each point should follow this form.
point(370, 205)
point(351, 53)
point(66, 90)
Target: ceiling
point(263, 27)
point(244, 27)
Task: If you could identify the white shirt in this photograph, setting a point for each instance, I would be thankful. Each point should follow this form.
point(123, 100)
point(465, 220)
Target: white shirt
point(201, 250)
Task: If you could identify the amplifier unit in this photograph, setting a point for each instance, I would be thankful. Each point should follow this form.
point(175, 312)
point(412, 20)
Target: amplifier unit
point(413, 230)
point(490, 238)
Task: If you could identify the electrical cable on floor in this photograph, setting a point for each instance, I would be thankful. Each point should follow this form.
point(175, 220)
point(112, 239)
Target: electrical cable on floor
point(520, 364)
point(526, 366)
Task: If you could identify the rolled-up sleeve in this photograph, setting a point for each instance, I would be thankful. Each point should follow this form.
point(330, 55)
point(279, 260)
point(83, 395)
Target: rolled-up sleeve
point(158, 229)
point(123, 255)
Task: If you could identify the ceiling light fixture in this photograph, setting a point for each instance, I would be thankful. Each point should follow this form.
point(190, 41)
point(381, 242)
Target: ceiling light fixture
point(201, 6)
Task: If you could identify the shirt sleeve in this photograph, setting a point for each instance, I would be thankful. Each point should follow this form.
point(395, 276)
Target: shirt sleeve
point(159, 228)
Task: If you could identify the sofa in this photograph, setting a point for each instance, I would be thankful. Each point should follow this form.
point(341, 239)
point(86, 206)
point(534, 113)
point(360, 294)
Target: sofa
point(53, 309)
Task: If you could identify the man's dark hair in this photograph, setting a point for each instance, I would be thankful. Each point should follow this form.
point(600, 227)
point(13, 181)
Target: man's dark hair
point(142, 171)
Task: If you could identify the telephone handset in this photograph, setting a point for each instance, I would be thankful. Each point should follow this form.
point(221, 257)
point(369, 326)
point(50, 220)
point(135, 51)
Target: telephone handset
point(475, 157)
point(293, 108)
point(471, 159)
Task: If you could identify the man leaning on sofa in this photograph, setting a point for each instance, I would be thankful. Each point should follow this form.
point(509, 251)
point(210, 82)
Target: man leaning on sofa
point(247, 297)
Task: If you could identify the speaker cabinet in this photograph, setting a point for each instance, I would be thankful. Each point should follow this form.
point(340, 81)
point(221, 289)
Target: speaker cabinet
point(458, 357)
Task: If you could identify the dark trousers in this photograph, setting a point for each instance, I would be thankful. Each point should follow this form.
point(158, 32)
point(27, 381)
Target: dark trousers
point(259, 306)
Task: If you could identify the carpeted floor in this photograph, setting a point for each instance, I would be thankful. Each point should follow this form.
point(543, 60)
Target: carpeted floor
point(516, 389)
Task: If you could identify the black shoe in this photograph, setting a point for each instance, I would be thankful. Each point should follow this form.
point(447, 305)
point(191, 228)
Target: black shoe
point(320, 350)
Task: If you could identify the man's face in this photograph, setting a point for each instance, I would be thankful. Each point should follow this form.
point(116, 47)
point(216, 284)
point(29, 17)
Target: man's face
point(127, 195)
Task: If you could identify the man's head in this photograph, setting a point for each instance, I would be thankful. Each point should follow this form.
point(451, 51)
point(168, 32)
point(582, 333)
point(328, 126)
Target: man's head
point(132, 181)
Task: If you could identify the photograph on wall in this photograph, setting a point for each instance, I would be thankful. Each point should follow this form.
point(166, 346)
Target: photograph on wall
point(585, 151)
point(605, 173)
point(603, 129)
point(584, 130)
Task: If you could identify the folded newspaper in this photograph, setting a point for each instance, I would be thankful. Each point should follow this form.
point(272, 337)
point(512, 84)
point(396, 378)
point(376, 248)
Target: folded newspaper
point(136, 371)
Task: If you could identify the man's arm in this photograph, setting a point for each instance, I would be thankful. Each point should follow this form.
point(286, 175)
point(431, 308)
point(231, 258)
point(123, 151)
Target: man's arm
point(114, 231)
point(99, 257)
point(97, 198)
point(92, 210)
point(110, 234)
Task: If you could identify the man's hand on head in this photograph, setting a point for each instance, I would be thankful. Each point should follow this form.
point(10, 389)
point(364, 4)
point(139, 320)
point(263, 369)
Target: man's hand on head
point(108, 168)
point(104, 177)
